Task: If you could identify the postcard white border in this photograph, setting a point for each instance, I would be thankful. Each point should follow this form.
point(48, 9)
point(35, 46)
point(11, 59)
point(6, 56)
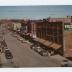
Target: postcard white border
point(35, 2)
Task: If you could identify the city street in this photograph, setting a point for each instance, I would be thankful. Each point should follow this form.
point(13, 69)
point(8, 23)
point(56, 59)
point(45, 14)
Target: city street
point(23, 56)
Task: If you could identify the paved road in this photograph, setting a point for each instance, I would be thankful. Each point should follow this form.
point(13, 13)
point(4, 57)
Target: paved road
point(24, 56)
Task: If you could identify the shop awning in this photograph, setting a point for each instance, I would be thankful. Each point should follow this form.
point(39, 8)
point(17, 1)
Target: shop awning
point(44, 42)
point(39, 40)
point(48, 43)
point(55, 46)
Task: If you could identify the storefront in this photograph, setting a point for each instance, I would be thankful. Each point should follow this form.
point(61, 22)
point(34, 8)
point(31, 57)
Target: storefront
point(50, 46)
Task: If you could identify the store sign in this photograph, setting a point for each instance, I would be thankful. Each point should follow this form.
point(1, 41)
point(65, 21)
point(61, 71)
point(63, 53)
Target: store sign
point(68, 27)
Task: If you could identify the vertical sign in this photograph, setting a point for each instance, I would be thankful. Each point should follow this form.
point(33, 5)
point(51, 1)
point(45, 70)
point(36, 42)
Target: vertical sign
point(68, 40)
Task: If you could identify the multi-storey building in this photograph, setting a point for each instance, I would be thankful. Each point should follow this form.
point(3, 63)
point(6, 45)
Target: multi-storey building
point(48, 33)
point(52, 33)
point(16, 26)
point(26, 26)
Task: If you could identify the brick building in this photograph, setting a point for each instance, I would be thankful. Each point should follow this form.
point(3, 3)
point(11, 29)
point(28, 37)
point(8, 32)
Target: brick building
point(48, 33)
point(51, 31)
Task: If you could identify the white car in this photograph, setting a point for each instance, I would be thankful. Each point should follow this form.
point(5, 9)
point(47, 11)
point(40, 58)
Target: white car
point(21, 39)
point(18, 37)
point(38, 49)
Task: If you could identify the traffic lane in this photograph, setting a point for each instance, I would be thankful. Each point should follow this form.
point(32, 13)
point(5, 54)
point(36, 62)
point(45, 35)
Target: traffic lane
point(24, 56)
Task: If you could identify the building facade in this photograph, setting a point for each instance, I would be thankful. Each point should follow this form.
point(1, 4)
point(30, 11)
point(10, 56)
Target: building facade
point(48, 33)
point(16, 26)
point(52, 31)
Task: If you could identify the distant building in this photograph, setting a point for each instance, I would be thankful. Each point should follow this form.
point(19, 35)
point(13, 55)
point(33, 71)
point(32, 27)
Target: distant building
point(16, 26)
point(26, 26)
point(68, 19)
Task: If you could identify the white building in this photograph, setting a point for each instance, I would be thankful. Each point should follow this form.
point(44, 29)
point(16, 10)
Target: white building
point(16, 26)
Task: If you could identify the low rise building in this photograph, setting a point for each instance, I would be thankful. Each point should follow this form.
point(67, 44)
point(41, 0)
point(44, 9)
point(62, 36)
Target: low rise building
point(16, 26)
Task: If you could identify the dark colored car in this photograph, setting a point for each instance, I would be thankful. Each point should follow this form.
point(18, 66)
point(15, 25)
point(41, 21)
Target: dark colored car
point(43, 53)
point(8, 54)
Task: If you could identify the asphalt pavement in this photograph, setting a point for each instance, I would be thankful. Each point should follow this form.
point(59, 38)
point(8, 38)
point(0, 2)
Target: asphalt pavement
point(23, 56)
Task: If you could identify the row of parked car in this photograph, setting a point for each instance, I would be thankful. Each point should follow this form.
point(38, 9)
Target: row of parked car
point(39, 50)
point(64, 63)
point(33, 46)
point(20, 38)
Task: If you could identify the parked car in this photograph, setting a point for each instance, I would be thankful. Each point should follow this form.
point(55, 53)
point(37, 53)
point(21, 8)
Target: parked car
point(33, 46)
point(43, 52)
point(19, 38)
point(23, 41)
point(8, 54)
point(26, 41)
point(38, 49)
point(66, 63)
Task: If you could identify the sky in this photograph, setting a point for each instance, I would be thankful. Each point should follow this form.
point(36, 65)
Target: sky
point(34, 12)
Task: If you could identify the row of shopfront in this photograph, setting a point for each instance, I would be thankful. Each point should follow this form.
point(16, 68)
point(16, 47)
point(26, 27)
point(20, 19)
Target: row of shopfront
point(49, 35)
